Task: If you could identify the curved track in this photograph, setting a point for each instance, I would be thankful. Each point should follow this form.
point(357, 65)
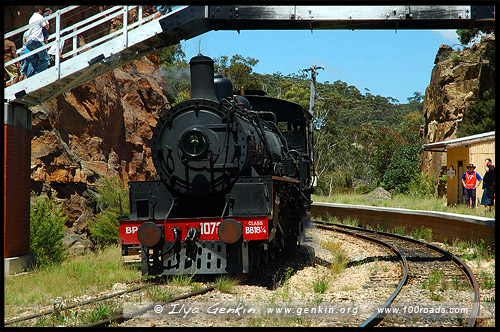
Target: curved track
point(423, 258)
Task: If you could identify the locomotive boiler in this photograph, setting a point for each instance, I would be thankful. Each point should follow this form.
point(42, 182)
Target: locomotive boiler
point(233, 181)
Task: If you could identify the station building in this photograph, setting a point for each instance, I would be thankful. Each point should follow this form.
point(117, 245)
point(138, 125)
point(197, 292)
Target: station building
point(460, 152)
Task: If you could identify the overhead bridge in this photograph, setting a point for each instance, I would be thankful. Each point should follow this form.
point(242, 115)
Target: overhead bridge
point(138, 35)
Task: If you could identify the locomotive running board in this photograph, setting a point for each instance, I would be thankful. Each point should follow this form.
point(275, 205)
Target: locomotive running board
point(285, 179)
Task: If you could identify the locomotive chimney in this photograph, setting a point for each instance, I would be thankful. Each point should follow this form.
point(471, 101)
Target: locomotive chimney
point(202, 78)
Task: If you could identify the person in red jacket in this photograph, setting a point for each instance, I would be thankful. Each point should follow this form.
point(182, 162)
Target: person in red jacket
point(471, 180)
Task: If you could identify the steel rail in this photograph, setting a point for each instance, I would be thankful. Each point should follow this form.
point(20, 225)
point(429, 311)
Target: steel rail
point(379, 315)
point(121, 318)
point(467, 271)
point(80, 304)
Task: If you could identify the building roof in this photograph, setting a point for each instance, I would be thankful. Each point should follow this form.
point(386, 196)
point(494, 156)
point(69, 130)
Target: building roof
point(453, 143)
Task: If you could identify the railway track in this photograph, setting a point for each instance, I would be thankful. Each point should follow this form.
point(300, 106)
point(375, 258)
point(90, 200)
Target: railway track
point(421, 262)
point(416, 259)
point(120, 318)
point(116, 318)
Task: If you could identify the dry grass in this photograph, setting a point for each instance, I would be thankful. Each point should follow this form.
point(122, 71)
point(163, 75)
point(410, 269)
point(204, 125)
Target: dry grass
point(88, 274)
point(406, 202)
point(340, 259)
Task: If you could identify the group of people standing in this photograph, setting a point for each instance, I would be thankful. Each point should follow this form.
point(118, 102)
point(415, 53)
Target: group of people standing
point(33, 38)
point(471, 180)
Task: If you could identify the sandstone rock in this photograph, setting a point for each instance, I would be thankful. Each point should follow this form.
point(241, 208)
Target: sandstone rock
point(119, 286)
point(443, 53)
point(77, 244)
point(451, 92)
point(377, 194)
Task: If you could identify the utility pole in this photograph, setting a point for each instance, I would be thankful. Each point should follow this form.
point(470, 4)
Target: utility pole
point(314, 73)
point(313, 69)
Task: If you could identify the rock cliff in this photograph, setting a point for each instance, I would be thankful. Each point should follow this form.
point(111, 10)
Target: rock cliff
point(458, 80)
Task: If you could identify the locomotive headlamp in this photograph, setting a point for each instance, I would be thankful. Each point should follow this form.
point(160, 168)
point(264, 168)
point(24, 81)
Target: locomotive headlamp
point(229, 231)
point(194, 143)
point(149, 234)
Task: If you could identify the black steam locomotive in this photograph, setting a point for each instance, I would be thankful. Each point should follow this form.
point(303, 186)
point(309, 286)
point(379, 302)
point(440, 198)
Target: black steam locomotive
point(234, 181)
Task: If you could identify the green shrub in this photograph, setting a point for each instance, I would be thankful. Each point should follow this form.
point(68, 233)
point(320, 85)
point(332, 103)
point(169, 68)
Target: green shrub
point(110, 190)
point(422, 234)
point(105, 227)
point(422, 185)
point(480, 116)
point(225, 284)
point(487, 280)
point(400, 230)
point(47, 231)
point(364, 188)
point(455, 58)
point(334, 182)
point(403, 167)
point(320, 284)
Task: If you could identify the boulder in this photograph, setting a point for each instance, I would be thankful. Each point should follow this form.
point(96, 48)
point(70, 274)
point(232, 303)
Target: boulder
point(77, 244)
point(378, 194)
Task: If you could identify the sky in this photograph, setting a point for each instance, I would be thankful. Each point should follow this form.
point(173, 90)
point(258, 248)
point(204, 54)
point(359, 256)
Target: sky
point(390, 63)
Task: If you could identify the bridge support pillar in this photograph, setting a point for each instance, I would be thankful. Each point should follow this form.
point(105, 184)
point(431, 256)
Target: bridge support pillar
point(17, 184)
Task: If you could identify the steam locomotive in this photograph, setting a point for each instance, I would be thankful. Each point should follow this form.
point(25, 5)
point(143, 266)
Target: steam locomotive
point(233, 181)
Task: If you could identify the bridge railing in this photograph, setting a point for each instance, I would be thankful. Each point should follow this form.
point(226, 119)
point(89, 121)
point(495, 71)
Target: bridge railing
point(92, 31)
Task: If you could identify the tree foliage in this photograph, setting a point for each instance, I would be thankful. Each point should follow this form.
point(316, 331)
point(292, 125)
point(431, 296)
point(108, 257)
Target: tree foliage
point(176, 73)
point(479, 118)
point(113, 202)
point(403, 167)
point(465, 36)
point(238, 69)
point(172, 55)
point(47, 221)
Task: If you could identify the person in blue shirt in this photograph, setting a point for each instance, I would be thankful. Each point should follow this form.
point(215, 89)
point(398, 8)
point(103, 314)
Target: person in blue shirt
point(162, 10)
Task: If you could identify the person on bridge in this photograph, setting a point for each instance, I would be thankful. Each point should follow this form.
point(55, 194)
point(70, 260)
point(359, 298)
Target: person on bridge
point(25, 64)
point(35, 39)
point(53, 50)
point(471, 180)
point(162, 10)
point(11, 72)
point(46, 12)
point(488, 185)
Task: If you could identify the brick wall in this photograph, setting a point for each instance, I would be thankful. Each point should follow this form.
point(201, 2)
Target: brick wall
point(17, 155)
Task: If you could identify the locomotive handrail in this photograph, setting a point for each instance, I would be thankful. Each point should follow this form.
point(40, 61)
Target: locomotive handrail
point(176, 231)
